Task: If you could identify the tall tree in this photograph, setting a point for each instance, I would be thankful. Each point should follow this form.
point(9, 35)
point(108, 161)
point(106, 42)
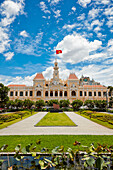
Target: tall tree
point(3, 95)
point(28, 103)
point(64, 103)
point(76, 104)
point(89, 104)
point(50, 102)
point(40, 103)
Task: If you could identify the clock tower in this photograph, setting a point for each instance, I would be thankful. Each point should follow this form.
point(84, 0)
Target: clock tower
point(56, 73)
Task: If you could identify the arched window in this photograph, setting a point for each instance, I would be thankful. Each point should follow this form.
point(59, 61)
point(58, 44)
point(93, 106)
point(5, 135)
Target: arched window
point(73, 93)
point(21, 93)
point(46, 93)
point(56, 93)
point(38, 93)
point(51, 93)
point(11, 93)
point(90, 93)
point(60, 93)
point(65, 93)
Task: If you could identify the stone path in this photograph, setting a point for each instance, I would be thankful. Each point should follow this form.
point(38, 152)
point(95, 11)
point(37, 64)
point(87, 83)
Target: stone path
point(85, 127)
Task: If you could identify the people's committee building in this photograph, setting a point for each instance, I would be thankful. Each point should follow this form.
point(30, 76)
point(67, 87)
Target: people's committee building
point(72, 88)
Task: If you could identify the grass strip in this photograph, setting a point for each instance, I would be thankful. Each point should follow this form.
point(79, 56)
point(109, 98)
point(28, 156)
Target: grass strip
point(6, 124)
point(55, 119)
point(106, 124)
point(51, 141)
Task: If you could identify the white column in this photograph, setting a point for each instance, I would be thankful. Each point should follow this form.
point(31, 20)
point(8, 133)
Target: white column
point(18, 93)
point(63, 93)
point(42, 93)
point(101, 93)
point(53, 93)
point(49, 93)
point(70, 93)
point(58, 93)
point(28, 93)
point(24, 93)
point(77, 92)
point(35, 93)
point(83, 93)
point(92, 92)
point(14, 93)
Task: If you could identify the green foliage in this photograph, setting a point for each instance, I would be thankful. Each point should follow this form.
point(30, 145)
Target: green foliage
point(89, 104)
point(64, 103)
point(111, 102)
point(50, 102)
point(40, 103)
point(12, 116)
point(28, 103)
point(103, 117)
point(76, 104)
point(3, 95)
point(100, 104)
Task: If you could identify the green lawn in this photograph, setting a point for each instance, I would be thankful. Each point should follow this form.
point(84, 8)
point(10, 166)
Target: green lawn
point(103, 123)
point(6, 124)
point(51, 141)
point(55, 119)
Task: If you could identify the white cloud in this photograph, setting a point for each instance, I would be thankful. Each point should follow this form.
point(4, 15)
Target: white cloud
point(69, 27)
point(84, 3)
point(81, 17)
point(9, 55)
point(48, 73)
point(9, 10)
point(24, 34)
point(110, 46)
point(54, 2)
point(105, 1)
point(44, 7)
point(30, 47)
point(108, 11)
point(93, 13)
point(57, 13)
point(76, 48)
point(73, 8)
point(96, 22)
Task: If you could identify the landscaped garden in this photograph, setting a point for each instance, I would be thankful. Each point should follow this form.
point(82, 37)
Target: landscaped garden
point(55, 119)
point(10, 118)
point(98, 117)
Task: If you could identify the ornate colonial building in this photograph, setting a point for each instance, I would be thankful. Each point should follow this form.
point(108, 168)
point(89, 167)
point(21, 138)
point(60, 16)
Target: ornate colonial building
point(72, 88)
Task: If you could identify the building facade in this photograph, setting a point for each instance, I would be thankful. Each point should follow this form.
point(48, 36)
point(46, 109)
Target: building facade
point(72, 88)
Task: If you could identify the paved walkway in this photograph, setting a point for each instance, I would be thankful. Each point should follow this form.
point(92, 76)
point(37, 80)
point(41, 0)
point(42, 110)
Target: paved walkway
point(84, 127)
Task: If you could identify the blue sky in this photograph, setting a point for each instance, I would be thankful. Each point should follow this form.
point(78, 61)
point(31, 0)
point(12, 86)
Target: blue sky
point(31, 31)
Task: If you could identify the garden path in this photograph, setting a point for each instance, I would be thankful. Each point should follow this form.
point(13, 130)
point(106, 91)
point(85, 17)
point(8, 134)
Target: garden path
point(84, 127)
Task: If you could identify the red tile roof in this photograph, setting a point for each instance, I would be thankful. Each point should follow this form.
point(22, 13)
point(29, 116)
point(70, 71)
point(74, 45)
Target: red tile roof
point(72, 76)
point(39, 76)
point(13, 85)
point(96, 86)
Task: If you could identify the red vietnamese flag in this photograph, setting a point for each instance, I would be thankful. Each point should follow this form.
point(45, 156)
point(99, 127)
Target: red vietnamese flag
point(58, 51)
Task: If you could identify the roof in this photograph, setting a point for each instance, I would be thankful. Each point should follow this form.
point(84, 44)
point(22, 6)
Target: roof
point(95, 86)
point(39, 76)
point(72, 76)
point(17, 85)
